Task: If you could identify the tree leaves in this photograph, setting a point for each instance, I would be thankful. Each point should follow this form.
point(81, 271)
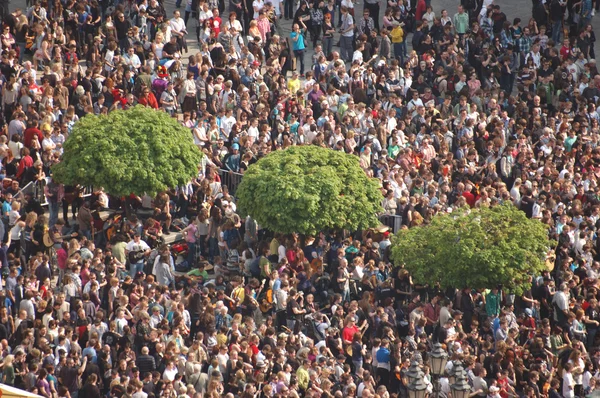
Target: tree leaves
point(138, 151)
point(478, 248)
point(307, 189)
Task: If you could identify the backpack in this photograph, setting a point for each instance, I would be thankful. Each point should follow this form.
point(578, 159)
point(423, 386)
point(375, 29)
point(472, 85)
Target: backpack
point(96, 88)
point(436, 85)
point(255, 267)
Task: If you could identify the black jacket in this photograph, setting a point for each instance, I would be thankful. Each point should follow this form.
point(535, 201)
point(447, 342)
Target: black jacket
point(145, 363)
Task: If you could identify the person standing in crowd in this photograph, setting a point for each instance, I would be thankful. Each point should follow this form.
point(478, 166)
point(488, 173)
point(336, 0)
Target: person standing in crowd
point(347, 35)
point(298, 46)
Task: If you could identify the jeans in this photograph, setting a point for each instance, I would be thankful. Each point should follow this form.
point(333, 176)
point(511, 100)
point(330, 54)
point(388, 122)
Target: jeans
point(300, 60)
point(53, 208)
point(357, 365)
point(556, 30)
point(346, 295)
point(135, 268)
point(191, 253)
point(346, 48)
point(400, 52)
point(327, 45)
point(592, 332)
point(21, 51)
point(213, 248)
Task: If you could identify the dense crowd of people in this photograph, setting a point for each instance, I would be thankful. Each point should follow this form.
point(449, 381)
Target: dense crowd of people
point(482, 110)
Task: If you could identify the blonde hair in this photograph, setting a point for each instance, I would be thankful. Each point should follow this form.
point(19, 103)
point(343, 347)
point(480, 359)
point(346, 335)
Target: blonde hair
point(8, 361)
point(31, 217)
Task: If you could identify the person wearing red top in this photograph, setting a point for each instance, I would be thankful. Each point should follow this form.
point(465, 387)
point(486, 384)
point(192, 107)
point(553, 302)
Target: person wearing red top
point(25, 163)
point(32, 130)
point(468, 195)
point(421, 8)
point(148, 99)
point(216, 22)
point(349, 330)
point(565, 50)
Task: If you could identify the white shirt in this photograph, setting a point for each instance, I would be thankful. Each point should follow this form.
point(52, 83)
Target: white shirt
point(204, 15)
point(177, 24)
point(109, 59)
point(132, 60)
point(236, 25)
point(568, 390)
point(277, 6)
point(357, 56)
point(257, 5)
point(348, 21)
point(48, 144)
point(133, 246)
point(227, 124)
point(281, 252)
point(347, 3)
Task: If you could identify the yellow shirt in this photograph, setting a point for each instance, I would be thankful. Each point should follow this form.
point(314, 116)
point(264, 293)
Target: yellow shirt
point(221, 339)
point(303, 378)
point(274, 246)
point(294, 86)
point(238, 294)
point(397, 35)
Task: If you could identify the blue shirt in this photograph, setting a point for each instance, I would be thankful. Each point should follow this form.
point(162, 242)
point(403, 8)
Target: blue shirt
point(92, 351)
point(298, 44)
point(383, 355)
point(6, 208)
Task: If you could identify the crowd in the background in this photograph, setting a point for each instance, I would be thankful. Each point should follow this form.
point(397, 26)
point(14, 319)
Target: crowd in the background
point(447, 108)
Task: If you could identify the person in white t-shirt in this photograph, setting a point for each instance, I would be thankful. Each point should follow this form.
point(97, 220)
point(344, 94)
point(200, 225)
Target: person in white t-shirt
point(257, 5)
point(277, 7)
point(137, 245)
point(568, 389)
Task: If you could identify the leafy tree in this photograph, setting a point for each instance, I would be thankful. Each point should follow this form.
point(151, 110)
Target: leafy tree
point(307, 189)
point(477, 248)
point(138, 151)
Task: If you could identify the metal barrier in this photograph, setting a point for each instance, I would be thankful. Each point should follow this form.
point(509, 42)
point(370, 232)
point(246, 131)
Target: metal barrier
point(230, 179)
point(36, 188)
point(392, 221)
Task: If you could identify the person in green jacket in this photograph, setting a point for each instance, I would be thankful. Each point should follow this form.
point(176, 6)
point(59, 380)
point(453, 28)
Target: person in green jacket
point(461, 21)
point(492, 303)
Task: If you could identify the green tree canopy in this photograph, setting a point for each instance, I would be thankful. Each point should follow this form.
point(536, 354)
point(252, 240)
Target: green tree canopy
point(139, 151)
point(477, 248)
point(307, 189)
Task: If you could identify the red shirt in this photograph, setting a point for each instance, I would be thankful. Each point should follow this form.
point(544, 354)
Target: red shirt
point(215, 24)
point(26, 162)
point(503, 386)
point(149, 100)
point(564, 53)
point(29, 134)
point(348, 333)
point(470, 198)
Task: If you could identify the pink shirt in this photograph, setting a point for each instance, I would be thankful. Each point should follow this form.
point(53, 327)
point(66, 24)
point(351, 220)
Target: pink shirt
point(191, 234)
point(264, 26)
